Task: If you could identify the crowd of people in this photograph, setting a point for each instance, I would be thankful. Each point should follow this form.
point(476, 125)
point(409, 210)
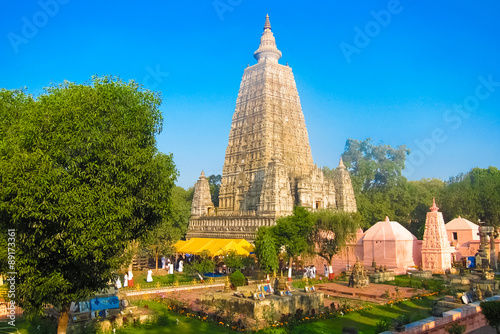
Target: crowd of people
point(310, 271)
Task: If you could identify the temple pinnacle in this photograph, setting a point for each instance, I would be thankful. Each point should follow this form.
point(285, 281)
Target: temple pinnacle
point(387, 220)
point(341, 162)
point(267, 49)
point(434, 208)
point(267, 25)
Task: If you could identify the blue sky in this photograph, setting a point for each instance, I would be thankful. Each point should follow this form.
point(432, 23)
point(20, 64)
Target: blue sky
point(423, 74)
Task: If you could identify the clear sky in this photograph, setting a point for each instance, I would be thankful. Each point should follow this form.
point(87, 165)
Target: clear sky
point(425, 74)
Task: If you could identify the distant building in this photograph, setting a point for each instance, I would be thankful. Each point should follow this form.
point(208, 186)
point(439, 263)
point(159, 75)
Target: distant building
point(388, 243)
point(268, 167)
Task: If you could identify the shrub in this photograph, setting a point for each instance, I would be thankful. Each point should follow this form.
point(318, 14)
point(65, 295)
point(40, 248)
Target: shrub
point(491, 311)
point(382, 326)
point(456, 329)
point(237, 278)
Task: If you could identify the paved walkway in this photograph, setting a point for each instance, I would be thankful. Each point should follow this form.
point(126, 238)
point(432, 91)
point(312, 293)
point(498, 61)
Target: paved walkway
point(375, 293)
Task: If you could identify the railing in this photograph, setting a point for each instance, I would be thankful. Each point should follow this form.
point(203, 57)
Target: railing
point(195, 283)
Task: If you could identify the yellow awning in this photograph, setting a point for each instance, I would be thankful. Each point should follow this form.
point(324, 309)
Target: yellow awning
point(214, 246)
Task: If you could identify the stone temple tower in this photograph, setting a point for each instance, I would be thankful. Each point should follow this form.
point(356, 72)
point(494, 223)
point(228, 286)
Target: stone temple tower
point(202, 201)
point(268, 166)
point(436, 249)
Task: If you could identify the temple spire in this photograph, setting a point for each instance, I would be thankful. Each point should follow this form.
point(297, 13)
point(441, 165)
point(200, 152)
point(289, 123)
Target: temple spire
point(267, 25)
point(341, 162)
point(434, 208)
point(267, 49)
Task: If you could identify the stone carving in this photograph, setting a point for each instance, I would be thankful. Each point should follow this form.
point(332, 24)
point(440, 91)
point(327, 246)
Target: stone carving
point(358, 277)
point(268, 166)
point(436, 249)
point(202, 201)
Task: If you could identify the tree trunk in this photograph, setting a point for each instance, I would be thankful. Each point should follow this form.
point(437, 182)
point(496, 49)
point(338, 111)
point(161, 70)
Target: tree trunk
point(156, 258)
point(63, 322)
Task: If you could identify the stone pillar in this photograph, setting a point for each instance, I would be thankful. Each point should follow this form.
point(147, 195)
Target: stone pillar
point(493, 252)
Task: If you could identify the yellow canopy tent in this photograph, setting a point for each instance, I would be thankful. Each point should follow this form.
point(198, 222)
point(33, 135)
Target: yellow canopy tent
point(214, 246)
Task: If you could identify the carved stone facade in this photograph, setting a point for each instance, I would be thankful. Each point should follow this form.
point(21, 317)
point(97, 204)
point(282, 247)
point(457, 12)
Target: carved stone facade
point(345, 194)
point(268, 166)
point(436, 249)
point(202, 200)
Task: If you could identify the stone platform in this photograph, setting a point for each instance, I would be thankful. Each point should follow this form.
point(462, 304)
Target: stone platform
point(373, 293)
point(380, 277)
point(255, 308)
point(485, 283)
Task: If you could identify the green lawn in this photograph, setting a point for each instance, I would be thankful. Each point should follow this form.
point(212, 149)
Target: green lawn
point(172, 323)
point(364, 321)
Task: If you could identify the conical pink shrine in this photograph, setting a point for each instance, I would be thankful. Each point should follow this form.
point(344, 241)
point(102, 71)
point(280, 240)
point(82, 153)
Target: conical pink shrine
point(436, 249)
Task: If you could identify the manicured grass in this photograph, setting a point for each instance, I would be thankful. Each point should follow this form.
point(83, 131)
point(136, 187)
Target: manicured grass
point(166, 279)
point(364, 321)
point(167, 322)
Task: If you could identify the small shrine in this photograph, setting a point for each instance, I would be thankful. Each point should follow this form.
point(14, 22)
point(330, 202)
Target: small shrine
point(436, 249)
point(359, 277)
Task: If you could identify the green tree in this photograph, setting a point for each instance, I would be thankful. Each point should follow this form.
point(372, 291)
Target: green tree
point(475, 195)
point(80, 178)
point(491, 311)
point(214, 183)
point(204, 264)
point(266, 250)
point(160, 241)
point(332, 231)
point(374, 166)
point(233, 260)
point(380, 188)
point(293, 233)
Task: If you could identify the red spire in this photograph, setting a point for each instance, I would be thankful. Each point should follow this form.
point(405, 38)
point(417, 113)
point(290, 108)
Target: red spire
point(434, 208)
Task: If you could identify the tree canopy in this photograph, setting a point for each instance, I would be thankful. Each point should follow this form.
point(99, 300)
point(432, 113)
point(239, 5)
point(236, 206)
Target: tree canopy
point(266, 250)
point(381, 189)
point(491, 311)
point(160, 240)
point(80, 178)
point(214, 183)
point(475, 195)
point(293, 232)
point(332, 231)
point(374, 166)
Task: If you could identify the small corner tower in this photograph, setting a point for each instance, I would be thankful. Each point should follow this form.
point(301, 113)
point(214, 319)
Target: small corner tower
point(346, 200)
point(202, 201)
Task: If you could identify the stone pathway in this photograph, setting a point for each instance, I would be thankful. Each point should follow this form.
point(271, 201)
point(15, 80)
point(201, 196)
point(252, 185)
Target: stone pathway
point(372, 293)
